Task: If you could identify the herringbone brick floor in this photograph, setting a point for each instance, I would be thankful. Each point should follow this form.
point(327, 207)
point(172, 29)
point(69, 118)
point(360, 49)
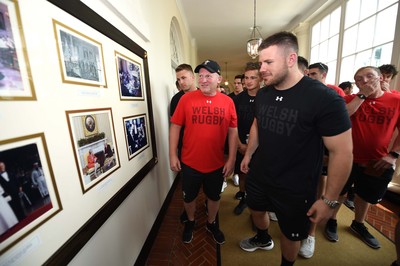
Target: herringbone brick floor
point(168, 248)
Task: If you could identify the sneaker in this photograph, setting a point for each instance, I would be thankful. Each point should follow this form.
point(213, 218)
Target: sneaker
point(240, 207)
point(252, 244)
point(187, 235)
point(362, 231)
point(235, 179)
point(239, 195)
point(331, 230)
point(183, 218)
point(307, 247)
point(216, 233)
point(224, 185)
point(349, 204)
point(272, 216)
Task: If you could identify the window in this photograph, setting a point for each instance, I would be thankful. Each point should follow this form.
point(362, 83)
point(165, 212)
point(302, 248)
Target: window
point(367, 37)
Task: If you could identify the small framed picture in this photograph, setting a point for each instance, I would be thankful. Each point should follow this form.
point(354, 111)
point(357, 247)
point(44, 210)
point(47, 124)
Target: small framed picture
point(96, 154)
point(81, 58)
point(28, 192)
point(136, 134)
point(16, 83)
point(130, 78)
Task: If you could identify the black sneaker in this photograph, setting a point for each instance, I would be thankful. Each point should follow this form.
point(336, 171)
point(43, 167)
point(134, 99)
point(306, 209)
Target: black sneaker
point(253, 243)
point(331, 230)
point(349, 204)
point(184, 218)
point(240, 207)
point(239, 195)
point(187, 235)
point(216, 233)
point(362, 231)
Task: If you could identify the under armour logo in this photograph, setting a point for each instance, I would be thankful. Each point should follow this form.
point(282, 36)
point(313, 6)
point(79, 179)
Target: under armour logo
point(206, 62)
point(279, 98)
point(295, 234)
point(251, 101)
point(208, 101)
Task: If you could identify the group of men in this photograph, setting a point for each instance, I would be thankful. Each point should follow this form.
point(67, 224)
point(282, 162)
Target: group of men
point(277, 136)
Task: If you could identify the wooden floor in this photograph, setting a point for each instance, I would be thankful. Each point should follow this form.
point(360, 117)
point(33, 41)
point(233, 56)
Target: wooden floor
point(168, 248)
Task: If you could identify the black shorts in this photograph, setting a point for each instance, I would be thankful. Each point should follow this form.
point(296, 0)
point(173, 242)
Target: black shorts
point(369, 188)
point(193, 179)
point(239, 158)
point(291, 210)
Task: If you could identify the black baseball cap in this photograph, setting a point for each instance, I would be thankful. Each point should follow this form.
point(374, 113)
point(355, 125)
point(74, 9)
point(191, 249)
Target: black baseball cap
point(210, 65)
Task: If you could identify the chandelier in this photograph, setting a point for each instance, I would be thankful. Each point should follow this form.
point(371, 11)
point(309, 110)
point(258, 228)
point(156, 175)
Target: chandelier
point(254, 42)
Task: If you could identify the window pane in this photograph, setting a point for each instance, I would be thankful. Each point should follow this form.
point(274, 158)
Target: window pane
point(368, 8)
point(366, 34)
point(314, 54)
point(347, 69)
point(385, 25)
point(333, 47)
point(350, 40)
point(324, 28)
point(382, 55)
point(352, 13)
point(330, 79)
point(323, 52)
point(335, 22)
point(363, 59)
point(315, 34)
point(384, 3)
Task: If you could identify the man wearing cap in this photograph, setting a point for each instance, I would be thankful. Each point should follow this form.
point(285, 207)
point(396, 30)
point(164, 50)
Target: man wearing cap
point(208, 117)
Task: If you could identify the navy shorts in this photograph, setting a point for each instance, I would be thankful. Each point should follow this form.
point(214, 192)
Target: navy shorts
point(370, 188)
point(192, 180)
point(291, 210)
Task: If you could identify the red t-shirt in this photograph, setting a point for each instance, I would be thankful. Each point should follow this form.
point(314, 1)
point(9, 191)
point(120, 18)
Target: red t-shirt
point(206, 120)
point(373, 125)
point(337, 89)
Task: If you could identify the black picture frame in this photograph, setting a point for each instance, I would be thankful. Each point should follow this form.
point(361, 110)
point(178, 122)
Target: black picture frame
point(76, 242)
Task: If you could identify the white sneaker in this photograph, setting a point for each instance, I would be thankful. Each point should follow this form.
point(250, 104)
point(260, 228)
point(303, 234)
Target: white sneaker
point(272, 216)
point(235, 179)
point(224, 185)
point(307, 247)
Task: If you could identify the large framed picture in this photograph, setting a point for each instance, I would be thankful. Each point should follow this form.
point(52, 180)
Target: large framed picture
point(81, 57)
point(16, 81)
point(130, 77)
point(28, 192)
point(136, 134)
point(96, 154)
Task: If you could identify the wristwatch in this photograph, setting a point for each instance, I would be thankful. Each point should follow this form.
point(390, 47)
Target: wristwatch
point(331, 203)
point(394, 154)
point(362, 96)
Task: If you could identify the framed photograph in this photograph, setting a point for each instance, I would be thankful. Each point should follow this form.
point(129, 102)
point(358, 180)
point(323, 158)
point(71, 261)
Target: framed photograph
point(130, 78)
point(136, 134)
point(28, 192)
point(96, 154)
point(16, 83)
point(81, 58)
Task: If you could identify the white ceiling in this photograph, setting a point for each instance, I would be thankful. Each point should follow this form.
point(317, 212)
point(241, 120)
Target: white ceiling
point(221, 28)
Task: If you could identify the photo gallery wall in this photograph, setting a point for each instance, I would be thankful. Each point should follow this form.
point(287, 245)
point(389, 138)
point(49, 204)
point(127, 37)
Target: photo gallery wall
point(29, 185)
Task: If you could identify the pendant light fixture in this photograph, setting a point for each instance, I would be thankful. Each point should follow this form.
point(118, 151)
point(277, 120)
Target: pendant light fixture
point(254, 42)
point(226, 74)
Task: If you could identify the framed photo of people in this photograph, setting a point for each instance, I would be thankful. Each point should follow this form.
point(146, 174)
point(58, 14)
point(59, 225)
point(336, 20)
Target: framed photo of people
point(130, 77)
point(28, 191)
point(96, 154)
point(81, 57)
point(16, 83)
point(136, 134)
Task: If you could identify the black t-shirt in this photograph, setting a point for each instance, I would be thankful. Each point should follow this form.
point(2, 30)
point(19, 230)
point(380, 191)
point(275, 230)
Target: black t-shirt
point(174, 102)
point(291, 124)
point(244, 104)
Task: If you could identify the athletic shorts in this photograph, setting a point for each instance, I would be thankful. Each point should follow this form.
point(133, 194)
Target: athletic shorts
point(291, 210)
point(239, 158)
point(370, 188)
point(192, 180)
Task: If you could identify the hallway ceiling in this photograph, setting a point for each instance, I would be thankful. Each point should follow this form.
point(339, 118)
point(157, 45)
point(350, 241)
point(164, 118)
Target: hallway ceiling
point(221, 28)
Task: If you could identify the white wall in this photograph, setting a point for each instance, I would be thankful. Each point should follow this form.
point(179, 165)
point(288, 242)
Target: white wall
point(120, 239)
